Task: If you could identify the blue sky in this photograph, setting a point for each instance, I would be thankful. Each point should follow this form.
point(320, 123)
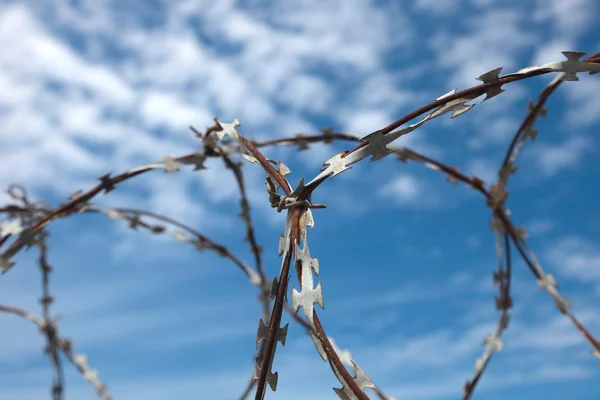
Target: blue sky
point(406, 259)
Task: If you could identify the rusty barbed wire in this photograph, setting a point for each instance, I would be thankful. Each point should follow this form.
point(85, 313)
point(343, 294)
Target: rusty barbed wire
point(27, 224)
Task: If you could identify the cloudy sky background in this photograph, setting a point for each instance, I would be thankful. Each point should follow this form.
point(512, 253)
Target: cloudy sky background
point(88, 87)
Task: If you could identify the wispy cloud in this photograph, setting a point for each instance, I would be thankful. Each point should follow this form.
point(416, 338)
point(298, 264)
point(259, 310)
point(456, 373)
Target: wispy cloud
point(576, 258)
point(540, 226)
point(552, 158)
point(407, 191)
point(496, 37)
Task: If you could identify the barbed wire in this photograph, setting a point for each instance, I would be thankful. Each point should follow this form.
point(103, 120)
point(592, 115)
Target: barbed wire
point(27, 224)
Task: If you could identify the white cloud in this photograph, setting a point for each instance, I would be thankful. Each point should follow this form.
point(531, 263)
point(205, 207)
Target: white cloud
point(172, 197)
point(415, 293)
point(551, 51)
point(540, 226)
point(163, 108)
point(439, 7)
point(173, 59)
point(39, 55)
point(553, 158)
point(306, 92)
point(495, 38)
point(556, 333)
point(570, 17)
point(424, 351)
point(584, 107)
point(473, 242)
point(406, 190)
point(37, 59)
point(576, 258)
point(498, 130)
point(484, 169)
point(91, 17)
point(364, 122)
